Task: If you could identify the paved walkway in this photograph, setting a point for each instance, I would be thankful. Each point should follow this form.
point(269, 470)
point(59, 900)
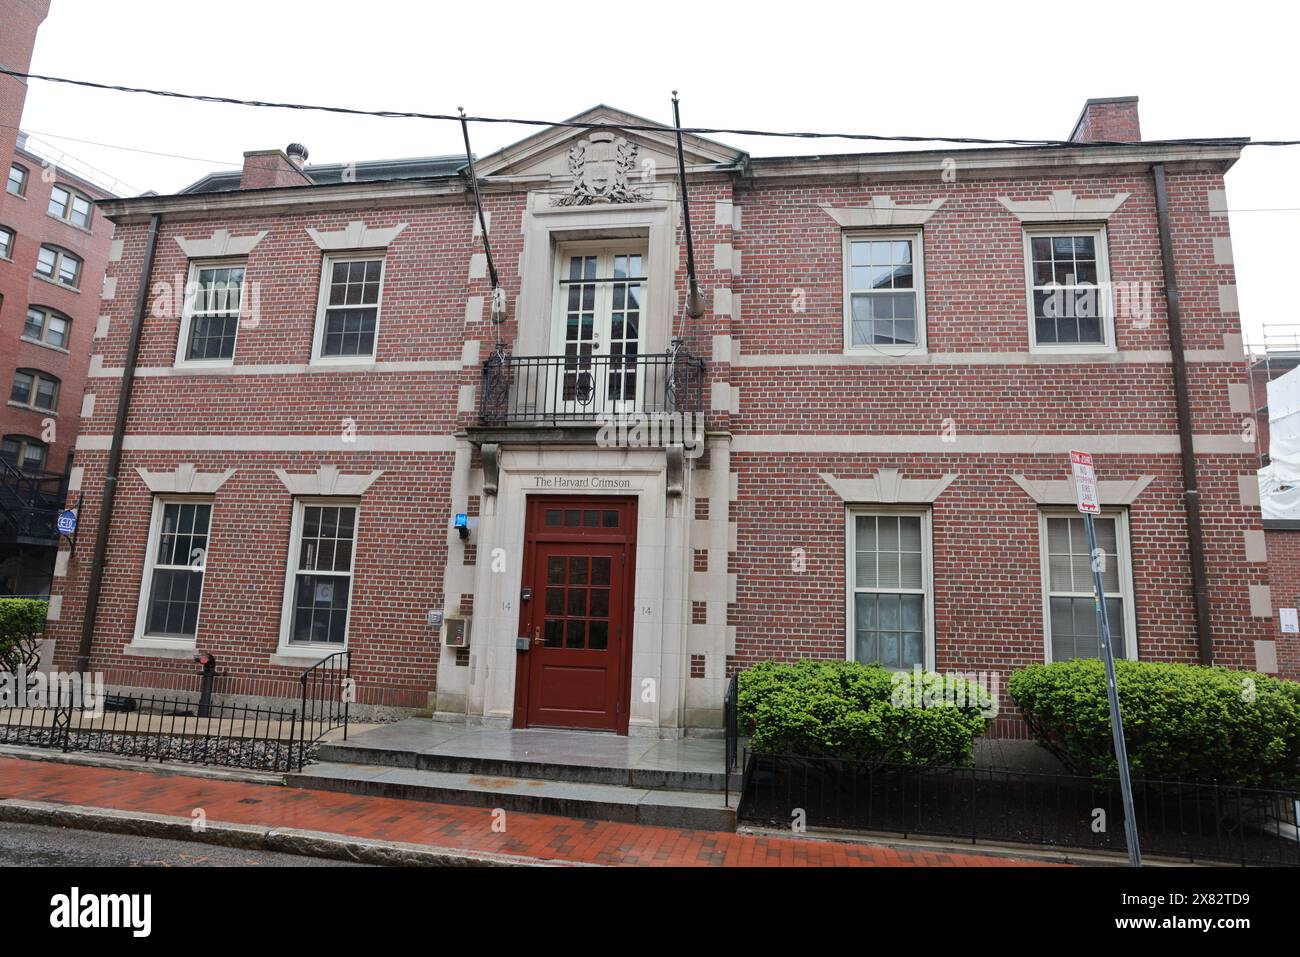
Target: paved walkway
point(536, 836)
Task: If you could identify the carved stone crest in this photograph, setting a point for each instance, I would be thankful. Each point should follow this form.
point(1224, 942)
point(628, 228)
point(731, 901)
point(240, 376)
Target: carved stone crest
point(601, 166)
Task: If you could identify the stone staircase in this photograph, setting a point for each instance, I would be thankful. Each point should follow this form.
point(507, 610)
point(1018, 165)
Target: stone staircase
point(674, 783)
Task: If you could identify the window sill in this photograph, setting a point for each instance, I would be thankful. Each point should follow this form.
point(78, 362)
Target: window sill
point(302, 656)
point(203, 364)
point(161, 648)
point(1073, 348)
point(892, 351)
point(68, 222)
point(45, 345)
point(350, 362)
point(32, 408)
point(55, 282)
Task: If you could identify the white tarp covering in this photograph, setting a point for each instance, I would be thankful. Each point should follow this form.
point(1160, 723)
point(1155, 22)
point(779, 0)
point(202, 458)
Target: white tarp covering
point(1279, 481)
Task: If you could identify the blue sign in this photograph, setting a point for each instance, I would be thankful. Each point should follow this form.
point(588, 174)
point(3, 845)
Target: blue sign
point(462, 520)
point(67, 521)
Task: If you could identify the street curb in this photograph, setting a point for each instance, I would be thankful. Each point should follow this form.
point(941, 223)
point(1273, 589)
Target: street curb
point(256, 837)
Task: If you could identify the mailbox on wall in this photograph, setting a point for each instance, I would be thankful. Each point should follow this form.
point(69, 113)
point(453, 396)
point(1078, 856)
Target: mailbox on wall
point(457, 632)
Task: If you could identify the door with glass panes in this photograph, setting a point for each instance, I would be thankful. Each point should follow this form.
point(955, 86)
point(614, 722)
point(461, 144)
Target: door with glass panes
point(599, 329)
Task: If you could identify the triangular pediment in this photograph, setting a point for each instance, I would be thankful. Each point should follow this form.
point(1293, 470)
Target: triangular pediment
point(546, 152)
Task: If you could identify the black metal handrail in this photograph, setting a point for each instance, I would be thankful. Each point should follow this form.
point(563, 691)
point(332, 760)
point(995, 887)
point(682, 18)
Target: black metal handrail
point(589, 388)
point(30, 503)
point(327, 691)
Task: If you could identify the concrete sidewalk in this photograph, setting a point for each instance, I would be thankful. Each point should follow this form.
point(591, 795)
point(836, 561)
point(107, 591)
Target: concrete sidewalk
point(391, 831)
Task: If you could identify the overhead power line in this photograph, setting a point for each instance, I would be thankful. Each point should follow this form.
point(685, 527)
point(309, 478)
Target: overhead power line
point(647, 128)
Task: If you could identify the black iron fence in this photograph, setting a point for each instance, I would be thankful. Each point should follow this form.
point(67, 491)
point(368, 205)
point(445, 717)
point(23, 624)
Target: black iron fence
point(1191, 821)
point(730, 732)
point(186, 725)
point(162, 728)
point(589, 388)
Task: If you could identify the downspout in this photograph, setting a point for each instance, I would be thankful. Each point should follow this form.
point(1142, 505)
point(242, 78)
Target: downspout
point(1191, 491)
point(96, 582)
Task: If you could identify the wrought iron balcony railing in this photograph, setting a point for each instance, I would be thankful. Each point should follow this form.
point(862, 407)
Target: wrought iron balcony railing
point(558, 390)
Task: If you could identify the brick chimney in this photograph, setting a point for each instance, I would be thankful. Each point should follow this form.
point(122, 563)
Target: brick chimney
point(268, 169)
point(1108, 119)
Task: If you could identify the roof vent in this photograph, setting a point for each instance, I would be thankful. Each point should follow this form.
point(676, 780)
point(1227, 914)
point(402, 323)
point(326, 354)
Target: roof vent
point(297, 154)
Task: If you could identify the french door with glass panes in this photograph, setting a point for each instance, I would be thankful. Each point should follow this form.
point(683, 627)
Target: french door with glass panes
point(599, 329)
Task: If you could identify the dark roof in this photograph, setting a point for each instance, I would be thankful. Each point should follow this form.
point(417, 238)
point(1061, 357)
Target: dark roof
point(420, 167)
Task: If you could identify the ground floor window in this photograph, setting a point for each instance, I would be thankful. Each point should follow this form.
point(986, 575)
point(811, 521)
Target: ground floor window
point(177, 557)
point(321, 560)
point(889, 588)
point(1070, 610)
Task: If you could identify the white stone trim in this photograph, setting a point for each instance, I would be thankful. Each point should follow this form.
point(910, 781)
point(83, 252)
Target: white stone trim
point(115, 250)
point(887, 487)
point(325, 481)
point(1255, 545)
point(1239, 397)
point(87, 405)
point(109, 290)
point(61, 563)
point(1223, 251)
point(722, 301)
point(881, 211)
point(1248, 489)
point(477, 229)
point(1132, 357)
point(185, 479)
point(1228, 298)
point(101, 327)
point(220, 244)
point(75, 477)
point(968, 443)
point(55, 611)
point(356, 235)
point(1063, 206)
point(722, 257)
point(1261, 601)
point(1266, 657)
point(1217, 202)
point(271, 443)
point(1061, 492)
point(99, 371)
point(474, 309)
point(477, 266)
point(465, 398)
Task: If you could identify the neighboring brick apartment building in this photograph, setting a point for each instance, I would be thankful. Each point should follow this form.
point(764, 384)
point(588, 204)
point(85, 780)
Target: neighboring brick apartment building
point(54, 248)
point(895, 354)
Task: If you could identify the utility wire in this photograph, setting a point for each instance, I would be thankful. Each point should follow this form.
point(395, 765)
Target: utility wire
point(646, 128)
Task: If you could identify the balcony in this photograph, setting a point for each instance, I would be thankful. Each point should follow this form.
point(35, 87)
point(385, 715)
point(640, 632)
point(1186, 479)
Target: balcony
point(30, 505)
point(588, 390)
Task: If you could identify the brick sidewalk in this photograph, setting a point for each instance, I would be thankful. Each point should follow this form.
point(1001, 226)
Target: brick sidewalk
point(536, 836)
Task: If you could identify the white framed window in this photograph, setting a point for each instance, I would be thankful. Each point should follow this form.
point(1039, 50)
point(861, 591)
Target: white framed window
point(70, 206)
point(884, 292)
point(46, 326)
point(318, 584)
point(24, 453)
point(210, 320)
point(35, 390)
point(16, 185)
point(59, 265)
point(1068, 278)
point(347, 312)
point(6, 243)
point(890, 588)
point(1069, 608)
point(175, 566)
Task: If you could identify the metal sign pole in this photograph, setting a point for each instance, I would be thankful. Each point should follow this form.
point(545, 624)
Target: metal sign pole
point(1112, 693)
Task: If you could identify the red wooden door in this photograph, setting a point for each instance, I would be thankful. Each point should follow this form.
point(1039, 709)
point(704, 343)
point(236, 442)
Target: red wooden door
point(578, 565)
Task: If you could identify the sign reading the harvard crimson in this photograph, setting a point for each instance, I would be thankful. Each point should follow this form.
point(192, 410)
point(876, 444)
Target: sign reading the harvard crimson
point(1085, 483)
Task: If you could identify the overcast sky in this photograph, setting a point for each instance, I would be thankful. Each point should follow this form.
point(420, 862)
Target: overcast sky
point(967, 69)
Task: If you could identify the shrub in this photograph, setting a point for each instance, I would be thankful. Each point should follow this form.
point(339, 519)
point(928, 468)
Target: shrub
point(21, 622)
point(1181, 722)
point(842, 709)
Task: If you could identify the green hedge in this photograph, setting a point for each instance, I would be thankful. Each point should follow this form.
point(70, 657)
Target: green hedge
point(1181, 722)
point(21, 622)
point(842, 709)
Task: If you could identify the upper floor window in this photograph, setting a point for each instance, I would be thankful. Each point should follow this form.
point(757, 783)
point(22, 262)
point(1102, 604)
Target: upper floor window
point(1068, 308)
point(1070, 606)
point(23, 452)
point(884, 298)
point(6, 243)
point(37, 390)
point(211, 319)
point(47, 327)
point(70, 205)
point(17, 183)
point(59, 265)
point(347, 319)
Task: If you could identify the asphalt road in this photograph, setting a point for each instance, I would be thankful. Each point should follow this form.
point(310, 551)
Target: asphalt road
point(30, 845)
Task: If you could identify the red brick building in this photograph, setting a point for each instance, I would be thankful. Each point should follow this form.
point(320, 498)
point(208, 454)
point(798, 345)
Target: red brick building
point(325, 447)
point(54, 248)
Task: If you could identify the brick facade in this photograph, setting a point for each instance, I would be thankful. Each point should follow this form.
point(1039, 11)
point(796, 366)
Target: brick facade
point(743, 557)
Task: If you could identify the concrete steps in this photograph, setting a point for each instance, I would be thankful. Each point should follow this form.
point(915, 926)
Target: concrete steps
point(627, 803)
point(675, 783)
